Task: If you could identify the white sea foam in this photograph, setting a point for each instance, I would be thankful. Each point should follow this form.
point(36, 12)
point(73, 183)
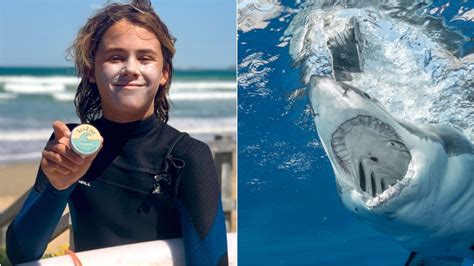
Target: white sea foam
point(66, 80)
point(64, 96)
point(7, 96)
point(37, 85)
point(32, 88)
point(191, 125)
point(205, 126)
point(57, 87)
point(174, 96)
point(203, 85)
point(202, 96)
point(26, 135)
point(31, 81)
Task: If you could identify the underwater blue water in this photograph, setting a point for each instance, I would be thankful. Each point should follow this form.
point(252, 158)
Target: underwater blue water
point(289, 211)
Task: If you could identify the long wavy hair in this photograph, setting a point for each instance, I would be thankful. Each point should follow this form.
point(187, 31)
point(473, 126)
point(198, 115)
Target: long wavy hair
point(84, 48)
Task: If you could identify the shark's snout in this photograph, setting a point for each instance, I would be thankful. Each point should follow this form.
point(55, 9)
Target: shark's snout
point(325, 89)
point(325, 84)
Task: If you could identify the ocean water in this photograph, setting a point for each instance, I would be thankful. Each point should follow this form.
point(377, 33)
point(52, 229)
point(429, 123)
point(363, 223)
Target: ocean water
point(417, 61)
point(203, 103)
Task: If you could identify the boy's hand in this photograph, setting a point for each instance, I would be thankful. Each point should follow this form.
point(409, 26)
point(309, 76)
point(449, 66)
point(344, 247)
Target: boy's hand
point(60, 163)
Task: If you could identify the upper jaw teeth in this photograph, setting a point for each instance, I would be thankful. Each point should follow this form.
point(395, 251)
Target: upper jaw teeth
point(338, 143)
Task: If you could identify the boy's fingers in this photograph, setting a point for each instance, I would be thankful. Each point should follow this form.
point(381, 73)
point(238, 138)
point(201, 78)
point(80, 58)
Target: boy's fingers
point(65, 151)
point(51, 166)
point(61, 130)
point(61, 161)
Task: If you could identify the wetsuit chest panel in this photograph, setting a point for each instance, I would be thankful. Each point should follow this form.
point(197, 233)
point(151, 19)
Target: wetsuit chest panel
point(108, 213)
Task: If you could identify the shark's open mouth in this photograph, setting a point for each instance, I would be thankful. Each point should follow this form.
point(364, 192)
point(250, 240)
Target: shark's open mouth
point(371, 152)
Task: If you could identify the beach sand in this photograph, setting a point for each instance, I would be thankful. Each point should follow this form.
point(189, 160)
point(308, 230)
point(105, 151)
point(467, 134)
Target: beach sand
point(15, 180)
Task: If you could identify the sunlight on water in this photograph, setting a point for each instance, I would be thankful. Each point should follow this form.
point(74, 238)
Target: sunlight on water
point(402, 64)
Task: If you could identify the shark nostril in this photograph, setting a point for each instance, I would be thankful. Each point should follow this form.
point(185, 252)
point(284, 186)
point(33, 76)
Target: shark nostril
point(375, 159)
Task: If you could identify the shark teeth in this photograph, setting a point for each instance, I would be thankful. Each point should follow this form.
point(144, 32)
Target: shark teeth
point(392, 191)
point(375, 170)
point(387, 194)
point(339, 146)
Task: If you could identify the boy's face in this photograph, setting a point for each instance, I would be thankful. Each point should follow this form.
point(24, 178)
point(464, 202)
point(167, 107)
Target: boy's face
point(128, 70)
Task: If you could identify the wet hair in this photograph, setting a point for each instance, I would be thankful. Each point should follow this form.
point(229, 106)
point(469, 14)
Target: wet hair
point(84, 48)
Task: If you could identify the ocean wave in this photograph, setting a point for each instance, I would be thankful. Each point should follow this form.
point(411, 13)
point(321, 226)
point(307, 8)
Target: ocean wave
point(19, 83)
point(7, 96)
point(190, 125)
point(203, 85)
point(26, 135)
point(66, 80)
point(33, 88)
point(19, 156)
point(64, 96)
point(63, 88)
point(174, 96)
point(192, 96)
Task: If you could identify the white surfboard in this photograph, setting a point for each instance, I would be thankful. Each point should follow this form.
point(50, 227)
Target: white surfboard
point(160, 252)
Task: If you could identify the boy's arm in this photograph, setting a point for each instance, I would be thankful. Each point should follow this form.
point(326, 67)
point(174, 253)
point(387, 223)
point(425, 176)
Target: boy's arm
point(30, 232)
point(200, 207)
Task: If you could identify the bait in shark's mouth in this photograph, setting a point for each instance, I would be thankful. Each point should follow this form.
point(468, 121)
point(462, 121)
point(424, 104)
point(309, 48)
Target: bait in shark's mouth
point(371, 152)
point(345, 50)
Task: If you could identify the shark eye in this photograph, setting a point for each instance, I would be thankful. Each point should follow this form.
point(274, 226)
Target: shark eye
point(367, 95)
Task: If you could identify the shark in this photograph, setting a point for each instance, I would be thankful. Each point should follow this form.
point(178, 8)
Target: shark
point(412, 182)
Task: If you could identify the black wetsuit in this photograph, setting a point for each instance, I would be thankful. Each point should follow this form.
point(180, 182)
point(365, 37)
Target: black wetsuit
point(112, 204)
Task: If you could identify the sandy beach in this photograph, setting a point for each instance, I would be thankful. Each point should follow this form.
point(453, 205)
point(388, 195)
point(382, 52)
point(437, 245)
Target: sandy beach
point(15, 179)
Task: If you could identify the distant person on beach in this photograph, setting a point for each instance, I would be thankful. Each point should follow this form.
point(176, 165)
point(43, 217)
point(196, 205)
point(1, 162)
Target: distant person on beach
point(148, 181)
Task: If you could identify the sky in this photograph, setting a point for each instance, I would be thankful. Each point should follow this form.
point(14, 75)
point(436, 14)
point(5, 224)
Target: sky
point(37, 33)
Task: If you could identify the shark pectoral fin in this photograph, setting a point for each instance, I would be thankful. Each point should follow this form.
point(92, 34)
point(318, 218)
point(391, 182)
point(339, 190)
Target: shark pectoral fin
point(417, 259)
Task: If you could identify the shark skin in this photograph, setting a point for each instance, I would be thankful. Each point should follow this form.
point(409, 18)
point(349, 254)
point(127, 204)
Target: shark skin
point(412, 182)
